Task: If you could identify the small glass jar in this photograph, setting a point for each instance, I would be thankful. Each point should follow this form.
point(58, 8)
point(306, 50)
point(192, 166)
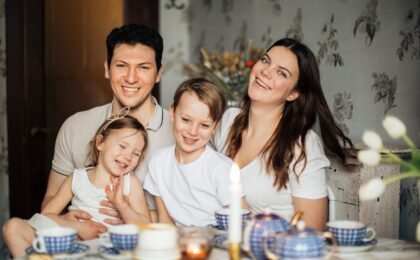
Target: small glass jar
point(194, 243)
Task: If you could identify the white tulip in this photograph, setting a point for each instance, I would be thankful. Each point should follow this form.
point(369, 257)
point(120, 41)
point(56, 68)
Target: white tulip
point(372, 189)
point(372, 140)
point(369, 157)
point(394, 127)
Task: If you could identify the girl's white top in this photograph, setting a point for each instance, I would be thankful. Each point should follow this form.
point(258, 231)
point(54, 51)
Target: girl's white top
point(87, 197)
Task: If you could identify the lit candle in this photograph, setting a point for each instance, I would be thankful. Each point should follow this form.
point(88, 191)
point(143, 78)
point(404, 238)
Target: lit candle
point(196, 251)
point(300, 225)
point(235, 219)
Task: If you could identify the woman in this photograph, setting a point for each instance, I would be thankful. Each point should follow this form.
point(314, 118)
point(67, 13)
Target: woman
point(281, 159)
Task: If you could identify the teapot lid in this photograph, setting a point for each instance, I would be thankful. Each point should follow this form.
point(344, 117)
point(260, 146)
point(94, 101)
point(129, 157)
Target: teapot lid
point(301, 230)
point(267, 216)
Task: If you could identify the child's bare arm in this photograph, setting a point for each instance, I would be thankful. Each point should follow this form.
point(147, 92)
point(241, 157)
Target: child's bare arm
point(244, 203)
point(86, 229)
point(163, 214)
point(132, 208)
point(63, 196)
point(137, 200)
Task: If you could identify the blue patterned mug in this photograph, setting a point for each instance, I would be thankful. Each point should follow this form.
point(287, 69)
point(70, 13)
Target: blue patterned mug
point(257, 230)
point(54, 240)
point(121, 237)
point(351, 233)
point(222, 218)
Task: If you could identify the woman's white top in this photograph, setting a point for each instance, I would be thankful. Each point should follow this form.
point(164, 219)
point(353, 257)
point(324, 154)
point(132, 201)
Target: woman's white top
point(258, 184)
point(87, 197)
point(191, 192)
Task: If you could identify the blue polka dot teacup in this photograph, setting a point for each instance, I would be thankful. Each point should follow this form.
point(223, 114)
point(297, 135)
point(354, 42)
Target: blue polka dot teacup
point(121, 237)
point(351, 233)
point(222, 218)
point(54, 240)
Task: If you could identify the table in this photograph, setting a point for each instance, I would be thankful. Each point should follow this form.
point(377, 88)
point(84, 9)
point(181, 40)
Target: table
point(384, 249)
point(216, 253)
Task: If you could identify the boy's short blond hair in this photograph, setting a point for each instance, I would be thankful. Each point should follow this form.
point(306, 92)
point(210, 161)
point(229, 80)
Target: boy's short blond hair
point(207, 92)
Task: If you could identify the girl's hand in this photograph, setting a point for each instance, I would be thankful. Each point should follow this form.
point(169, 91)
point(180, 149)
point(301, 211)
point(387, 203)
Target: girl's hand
point(90, 229)
point(116, 200)
point(116, 194)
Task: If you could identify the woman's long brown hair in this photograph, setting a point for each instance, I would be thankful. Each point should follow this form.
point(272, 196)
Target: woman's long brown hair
point(298, 118)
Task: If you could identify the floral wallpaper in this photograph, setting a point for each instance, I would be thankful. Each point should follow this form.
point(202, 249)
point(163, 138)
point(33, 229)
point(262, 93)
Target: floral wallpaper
point(328, 47)
point(295, 30)
point(276, 7)
point(342, 110)
point(385, 89)
point(367, 23)
point(173, 4)
point(368, 53)
point(410, 35)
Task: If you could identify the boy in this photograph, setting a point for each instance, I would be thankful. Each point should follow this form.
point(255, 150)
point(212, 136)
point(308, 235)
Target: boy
point(189, 180)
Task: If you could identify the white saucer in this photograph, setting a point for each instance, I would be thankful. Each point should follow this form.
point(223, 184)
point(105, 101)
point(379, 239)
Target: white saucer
point(353, 249)
point(167, 254)
point(77, 251)
point(113, 254)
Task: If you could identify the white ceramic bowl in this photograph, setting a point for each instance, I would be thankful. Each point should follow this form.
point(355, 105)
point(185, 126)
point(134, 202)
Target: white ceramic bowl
point(158, 236)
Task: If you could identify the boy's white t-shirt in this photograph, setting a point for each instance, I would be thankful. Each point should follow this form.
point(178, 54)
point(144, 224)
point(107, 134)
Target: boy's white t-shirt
point(191, 192)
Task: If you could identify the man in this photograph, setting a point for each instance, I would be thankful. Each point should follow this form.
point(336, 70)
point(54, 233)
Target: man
point(133, 67)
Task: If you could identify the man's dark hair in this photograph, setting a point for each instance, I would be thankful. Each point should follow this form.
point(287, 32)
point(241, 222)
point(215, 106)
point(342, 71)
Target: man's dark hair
point(133, 34)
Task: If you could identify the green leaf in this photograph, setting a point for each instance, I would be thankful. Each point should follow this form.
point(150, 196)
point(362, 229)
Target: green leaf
point(415, 160)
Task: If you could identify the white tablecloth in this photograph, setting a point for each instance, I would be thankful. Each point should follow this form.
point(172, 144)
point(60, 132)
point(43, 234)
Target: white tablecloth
point(384, 249)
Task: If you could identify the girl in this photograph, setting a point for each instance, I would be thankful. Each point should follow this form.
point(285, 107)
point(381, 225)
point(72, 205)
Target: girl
point(282, 160)
point(116, 151)
point(189, 179)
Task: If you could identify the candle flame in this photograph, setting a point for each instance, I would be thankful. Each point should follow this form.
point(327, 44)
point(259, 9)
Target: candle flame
point(300, 225)
point(235, 176)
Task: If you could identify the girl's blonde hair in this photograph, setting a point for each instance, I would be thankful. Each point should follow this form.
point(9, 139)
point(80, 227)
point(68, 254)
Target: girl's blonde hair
point(111, 124)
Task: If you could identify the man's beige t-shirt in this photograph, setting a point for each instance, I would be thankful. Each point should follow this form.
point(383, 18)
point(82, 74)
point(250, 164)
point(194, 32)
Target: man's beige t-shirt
point(72, 143)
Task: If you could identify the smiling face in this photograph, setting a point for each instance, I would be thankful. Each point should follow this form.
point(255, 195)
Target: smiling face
point(274, 76)
point(132, 74)
point(192, 126)
point(121, 151)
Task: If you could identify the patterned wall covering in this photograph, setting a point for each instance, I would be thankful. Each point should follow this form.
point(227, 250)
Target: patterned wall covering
point(4, 188)
point(363, 46)
point(368, 52)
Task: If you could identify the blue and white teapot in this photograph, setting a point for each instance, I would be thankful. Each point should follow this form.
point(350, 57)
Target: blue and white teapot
point(260, 230)
point(299, 242)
